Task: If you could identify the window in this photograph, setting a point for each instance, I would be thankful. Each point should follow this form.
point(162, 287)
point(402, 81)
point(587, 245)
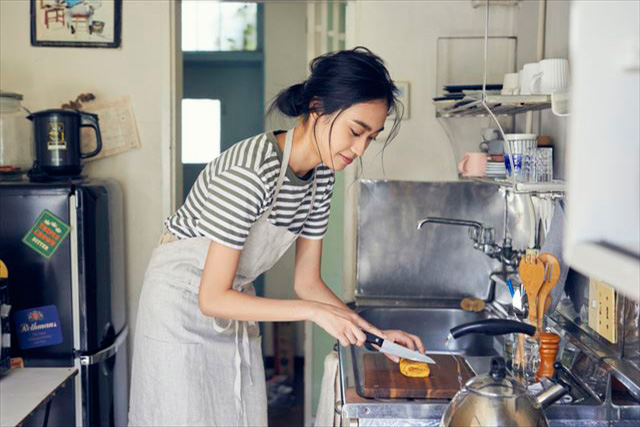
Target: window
point(219, 26)
point(200, 130)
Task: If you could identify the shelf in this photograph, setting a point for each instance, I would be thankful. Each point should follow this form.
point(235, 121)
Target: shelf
point(500, 105)
point(553, 187)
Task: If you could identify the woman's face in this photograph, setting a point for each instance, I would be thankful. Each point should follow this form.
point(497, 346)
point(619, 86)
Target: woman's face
point(353, 130)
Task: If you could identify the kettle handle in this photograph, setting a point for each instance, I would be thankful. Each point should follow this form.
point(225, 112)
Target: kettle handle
point(492, 327)
point(91, 121)
point(498, 368)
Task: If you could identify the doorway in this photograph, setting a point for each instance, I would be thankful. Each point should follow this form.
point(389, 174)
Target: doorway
point(223, 80)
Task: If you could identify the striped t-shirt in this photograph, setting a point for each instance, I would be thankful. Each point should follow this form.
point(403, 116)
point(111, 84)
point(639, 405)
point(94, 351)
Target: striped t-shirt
point(237, 188)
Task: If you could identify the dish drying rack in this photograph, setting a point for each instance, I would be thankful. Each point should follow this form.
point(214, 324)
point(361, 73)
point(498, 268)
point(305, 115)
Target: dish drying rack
point(500, 105)
point(553, 189)
point(492, 105)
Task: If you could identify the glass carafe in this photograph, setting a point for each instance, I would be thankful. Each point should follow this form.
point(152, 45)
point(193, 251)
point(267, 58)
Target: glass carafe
point(16, 138)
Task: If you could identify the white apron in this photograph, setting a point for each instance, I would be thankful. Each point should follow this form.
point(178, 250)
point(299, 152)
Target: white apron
point(190, 369)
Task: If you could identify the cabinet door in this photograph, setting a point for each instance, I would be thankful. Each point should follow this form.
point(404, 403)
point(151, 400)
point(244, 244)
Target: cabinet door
point(603, 230)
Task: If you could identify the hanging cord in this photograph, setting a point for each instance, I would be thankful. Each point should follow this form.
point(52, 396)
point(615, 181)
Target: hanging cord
point(486, 52)
point(505, 143)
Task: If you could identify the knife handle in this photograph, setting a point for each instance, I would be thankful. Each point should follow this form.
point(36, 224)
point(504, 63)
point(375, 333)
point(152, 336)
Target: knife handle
point(373, 339)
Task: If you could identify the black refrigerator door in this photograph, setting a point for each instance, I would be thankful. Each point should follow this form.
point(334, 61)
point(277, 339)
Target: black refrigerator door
point(102, 306)
point(100, 265)
point(34, 280)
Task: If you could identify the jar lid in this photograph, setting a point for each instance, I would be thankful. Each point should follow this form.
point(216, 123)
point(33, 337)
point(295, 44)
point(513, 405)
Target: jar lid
point(496, 383)
point(11, 95)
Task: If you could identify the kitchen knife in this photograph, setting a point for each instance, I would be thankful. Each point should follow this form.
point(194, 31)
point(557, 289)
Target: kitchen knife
point(394, 349)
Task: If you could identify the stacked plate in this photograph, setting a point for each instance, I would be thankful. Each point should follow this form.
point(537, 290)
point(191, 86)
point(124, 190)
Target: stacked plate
point(496, 170)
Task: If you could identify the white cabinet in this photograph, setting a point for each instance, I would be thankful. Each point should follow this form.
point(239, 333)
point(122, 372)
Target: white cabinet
point(603, 166)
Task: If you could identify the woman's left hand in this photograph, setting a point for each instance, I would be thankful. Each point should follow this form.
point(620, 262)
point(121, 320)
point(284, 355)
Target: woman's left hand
point(403, 338)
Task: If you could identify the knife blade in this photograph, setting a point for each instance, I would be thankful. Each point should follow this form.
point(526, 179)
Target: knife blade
point(389, 347)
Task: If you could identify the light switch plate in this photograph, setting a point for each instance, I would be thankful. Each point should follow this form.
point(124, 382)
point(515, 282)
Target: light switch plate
point(602, 310)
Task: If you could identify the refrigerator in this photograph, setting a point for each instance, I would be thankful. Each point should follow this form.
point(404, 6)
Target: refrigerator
point(75, 287)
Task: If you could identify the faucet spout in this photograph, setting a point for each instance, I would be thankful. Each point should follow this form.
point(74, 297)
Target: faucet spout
point(449, 221)
point(483, 237)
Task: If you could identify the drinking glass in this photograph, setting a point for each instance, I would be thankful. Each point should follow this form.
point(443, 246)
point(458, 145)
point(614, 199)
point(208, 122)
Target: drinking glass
point(543, 164)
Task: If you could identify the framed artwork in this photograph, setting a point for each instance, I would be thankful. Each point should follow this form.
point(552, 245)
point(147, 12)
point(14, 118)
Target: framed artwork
point(76, 23)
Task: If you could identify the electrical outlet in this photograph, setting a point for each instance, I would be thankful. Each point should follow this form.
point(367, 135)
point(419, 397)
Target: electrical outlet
point(593, 304)
point(602, 310)
point(607, 312)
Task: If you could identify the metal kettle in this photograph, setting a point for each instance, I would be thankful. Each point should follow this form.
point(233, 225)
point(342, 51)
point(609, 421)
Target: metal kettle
point(497, 398)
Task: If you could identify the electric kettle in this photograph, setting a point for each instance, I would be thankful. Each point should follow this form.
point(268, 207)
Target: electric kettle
point(496, 398)
point(58, 143)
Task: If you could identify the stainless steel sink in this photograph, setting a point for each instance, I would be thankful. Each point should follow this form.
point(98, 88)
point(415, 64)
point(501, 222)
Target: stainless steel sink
point(432, 325)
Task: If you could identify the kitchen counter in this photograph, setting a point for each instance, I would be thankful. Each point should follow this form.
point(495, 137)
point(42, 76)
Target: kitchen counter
point(22, 391)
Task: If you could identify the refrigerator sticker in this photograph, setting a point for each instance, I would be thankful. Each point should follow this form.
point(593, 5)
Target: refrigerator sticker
point(46, 234)
point(38, 327)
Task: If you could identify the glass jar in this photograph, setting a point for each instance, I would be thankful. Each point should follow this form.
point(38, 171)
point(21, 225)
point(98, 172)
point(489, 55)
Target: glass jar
point(16, 138)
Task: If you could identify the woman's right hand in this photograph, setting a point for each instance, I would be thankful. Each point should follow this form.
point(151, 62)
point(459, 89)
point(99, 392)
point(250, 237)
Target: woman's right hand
point(343, 324)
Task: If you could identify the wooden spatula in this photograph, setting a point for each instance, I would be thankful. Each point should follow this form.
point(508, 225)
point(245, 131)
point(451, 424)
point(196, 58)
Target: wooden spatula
point(532, 273)
point(551, 278)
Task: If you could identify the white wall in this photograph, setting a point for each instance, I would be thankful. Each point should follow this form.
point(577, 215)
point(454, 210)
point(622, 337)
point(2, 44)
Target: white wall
point(406, 36)
point(285, 64)
point(142, 69)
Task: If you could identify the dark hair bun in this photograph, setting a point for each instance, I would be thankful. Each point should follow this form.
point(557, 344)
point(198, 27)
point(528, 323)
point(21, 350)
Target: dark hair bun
point(339, 80)
point(290, 101)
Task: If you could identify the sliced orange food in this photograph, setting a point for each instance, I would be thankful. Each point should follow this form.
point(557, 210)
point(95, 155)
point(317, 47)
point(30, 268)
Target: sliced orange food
point(413, 369)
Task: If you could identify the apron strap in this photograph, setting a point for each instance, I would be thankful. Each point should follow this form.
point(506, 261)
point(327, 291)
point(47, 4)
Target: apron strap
point(288, 144)
point(313, 197)
point(241, 334)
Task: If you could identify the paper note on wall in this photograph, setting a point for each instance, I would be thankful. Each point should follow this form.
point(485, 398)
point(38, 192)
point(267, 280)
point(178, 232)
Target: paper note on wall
point(117, 126)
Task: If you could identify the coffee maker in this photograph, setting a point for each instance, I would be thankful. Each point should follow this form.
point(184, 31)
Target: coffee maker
point(58, 143)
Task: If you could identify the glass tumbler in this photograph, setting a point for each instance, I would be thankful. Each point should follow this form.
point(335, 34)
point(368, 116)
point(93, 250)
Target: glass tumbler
point(526, 357)
point(523, 148)
point(543, 164)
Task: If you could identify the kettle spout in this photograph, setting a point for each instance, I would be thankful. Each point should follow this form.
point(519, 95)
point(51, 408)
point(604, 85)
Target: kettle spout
point(546, 397)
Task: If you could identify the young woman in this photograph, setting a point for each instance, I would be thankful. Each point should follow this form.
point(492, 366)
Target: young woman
point(197, 356)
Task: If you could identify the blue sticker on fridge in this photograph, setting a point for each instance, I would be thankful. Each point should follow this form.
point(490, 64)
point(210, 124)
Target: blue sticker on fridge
point(38, 327)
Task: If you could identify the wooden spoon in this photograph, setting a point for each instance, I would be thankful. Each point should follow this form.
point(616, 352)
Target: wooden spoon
point(553, 275)
point(532, 273)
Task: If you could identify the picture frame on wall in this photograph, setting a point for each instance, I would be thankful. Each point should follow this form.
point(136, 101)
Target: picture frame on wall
point(76, 23)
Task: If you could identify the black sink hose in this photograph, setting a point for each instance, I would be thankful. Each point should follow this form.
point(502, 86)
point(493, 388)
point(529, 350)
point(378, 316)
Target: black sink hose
point(492, 327)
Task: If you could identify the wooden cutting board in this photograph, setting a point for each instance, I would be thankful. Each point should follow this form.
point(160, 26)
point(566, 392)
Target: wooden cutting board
point(383, 380)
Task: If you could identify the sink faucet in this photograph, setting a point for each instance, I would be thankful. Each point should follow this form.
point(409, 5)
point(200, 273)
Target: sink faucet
point(483, 239)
